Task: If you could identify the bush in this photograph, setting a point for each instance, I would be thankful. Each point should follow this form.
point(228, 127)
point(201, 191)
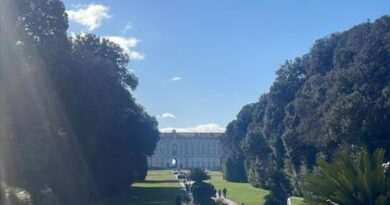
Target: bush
point(202, 193)
point(14, 196)
point(349, 181)
point(198, 175)
point(234, 169)
point(279, 189)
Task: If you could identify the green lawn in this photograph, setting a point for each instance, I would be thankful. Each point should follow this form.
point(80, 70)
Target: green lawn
point(160, 188)
point(242, 192)
point(297, 200)
point(238, 192)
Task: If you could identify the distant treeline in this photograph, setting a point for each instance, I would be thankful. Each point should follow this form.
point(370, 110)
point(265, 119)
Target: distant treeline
point(70, 129)
point(337, 96)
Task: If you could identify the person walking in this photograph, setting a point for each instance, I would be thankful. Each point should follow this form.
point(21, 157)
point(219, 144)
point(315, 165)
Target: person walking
point(224, 191)
point(219, 193)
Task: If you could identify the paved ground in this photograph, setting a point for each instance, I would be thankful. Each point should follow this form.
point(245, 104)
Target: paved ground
point(228, 201)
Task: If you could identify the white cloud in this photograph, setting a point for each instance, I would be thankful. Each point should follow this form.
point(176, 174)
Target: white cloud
point(177, 78)
point(211, 127)
point(127, 44)
point(90, 16)
point(166, 115)
point(127, 28)
point(135, 55)
point(123, 41)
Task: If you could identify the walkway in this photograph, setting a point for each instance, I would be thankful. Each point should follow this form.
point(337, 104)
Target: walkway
point(228, 201)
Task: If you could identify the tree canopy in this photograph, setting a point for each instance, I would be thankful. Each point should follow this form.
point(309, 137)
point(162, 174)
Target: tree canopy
point(71, 131)
point(336, 95)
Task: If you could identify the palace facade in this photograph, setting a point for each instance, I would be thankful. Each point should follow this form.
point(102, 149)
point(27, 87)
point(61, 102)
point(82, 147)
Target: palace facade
point(188, 150)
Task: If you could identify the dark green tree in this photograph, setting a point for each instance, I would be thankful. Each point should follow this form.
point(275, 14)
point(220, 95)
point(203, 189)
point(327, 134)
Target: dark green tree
point(233, 160)
point(71, 130)
point(278, 192)
point(198, 175)
point(202, 192)
point(337, 94)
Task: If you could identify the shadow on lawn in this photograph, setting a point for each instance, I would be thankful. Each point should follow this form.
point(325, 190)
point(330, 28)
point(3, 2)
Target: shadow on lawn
point(147, 196)
point(160, 181)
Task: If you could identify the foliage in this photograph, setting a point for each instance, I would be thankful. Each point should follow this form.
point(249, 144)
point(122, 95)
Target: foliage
point(259, 173)
point(69, 122)
point(202, 193)
point(278, 192)
point(178, 200)
point(14, 196)
point(233, 163)
point(198, 175)
point(234, 169)
point(337, 94)
point(349, 181)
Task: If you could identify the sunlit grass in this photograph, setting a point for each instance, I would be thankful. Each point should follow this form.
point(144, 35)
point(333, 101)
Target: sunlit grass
point(160, 187)
point(238, 192)
point(243, 192)
point(297, 200)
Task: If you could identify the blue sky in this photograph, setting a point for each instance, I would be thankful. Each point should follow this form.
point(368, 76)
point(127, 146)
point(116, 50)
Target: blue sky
point(200, 61)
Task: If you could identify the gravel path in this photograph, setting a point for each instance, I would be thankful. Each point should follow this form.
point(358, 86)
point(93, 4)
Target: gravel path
point(228, 201)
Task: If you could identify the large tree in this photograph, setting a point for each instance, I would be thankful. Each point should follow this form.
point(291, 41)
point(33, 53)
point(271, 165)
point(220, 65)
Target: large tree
point(335, 96)
point(70, 128)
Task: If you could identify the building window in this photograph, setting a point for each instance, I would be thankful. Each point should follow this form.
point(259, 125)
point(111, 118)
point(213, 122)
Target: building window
point(181, 148)
point(192, 148)
point(166, 148)
point(174, 149)
point(202, 148)
point(186, 148)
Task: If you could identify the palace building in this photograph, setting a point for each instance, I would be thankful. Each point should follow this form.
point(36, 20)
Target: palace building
point(187, 150)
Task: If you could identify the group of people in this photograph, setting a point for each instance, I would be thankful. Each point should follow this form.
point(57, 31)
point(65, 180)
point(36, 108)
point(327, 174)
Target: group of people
point(221, 193)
